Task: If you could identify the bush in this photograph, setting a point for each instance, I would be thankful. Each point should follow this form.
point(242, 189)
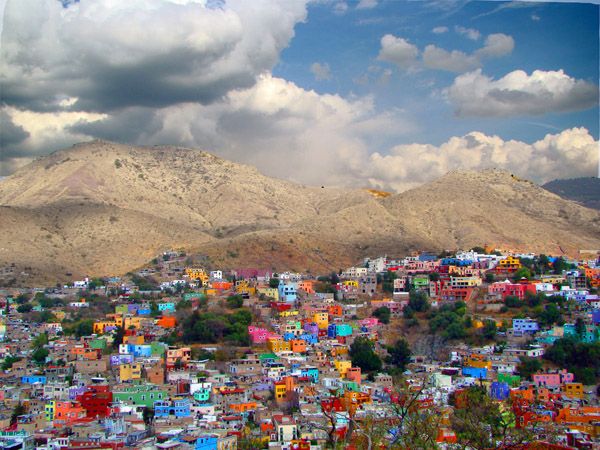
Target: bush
point(363, 355)
point(383, 314)
point(235, 301)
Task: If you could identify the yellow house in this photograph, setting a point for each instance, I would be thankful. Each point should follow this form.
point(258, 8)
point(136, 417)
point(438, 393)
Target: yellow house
point(101, 325)
point(277, 344)
point(280, 390)
point(133, 340)
point(288, 313)
point(573, 390)
point(342, 366)
point(322, 320)
point(478, 361)
point(350, 283)
point(510, 263)
point(130, 372)
point(197, 274)
point(269, 292)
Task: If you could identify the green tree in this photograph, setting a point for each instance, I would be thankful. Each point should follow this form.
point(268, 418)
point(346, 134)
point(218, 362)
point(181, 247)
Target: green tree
point(400, 354)
point(118, 337)
point(512, 301)
point(523, 272)
point(235, 301)
point(154, 310)
point(363, 355)
point(383, 314)
point(418, 301)
point(25, 308)
point(84, 328)
point(490, 277)
point(528, 366)
point(17, 411)
point(489, 329)
point(274, 281)
point(39, 355)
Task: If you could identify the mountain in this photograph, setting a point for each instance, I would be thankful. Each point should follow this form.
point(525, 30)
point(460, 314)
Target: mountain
point(101, 208)
point(581, 190)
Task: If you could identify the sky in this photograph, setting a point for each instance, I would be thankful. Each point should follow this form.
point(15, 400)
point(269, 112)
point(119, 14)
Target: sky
point(386, 94)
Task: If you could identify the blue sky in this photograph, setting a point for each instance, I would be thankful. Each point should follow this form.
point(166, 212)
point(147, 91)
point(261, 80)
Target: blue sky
point(547, 36)
point(369, 93)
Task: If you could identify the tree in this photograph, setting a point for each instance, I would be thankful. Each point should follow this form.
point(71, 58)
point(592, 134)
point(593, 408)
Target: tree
point(528, 366)
point(490, 277)
point(523, 272)
point(39, 355)
point(39, 341)
point(512, 301)
point(148, 416)
point(580, 327)
point(118, 337)
point(84, 328)
point(25, 308)
point(480, 423)
point(363, 355)
point(235, 301)
point(274, 281)
point(383, 314)
point(17, 411)
point(418, 301)
point(400, 354)
point(550, 315)
point(489, 329)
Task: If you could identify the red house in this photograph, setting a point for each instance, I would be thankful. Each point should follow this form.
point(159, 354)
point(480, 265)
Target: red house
point(96, 401)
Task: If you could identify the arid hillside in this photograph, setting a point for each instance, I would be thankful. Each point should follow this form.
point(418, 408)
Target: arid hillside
point(102, 208)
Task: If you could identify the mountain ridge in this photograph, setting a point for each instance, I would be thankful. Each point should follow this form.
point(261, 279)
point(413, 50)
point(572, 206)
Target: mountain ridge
point(104, 199)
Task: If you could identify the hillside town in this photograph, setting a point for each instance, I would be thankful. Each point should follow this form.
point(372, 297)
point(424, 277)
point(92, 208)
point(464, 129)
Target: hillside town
point(470, 349)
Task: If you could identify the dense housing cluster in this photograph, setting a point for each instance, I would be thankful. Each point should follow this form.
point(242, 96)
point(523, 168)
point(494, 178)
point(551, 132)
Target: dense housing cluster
point(393, 353)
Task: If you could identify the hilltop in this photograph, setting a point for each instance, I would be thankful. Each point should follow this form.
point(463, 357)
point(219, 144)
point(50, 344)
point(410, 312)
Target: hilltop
point(101, 208)
point(585, 191)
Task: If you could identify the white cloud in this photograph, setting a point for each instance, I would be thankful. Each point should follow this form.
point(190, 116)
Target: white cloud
point(340, 8)
point(535, 17)
point(110, 54)
point(470, 33)
point(320, 71)
point(366, 4)
point(517, 93)
point(454, 61)
point(405, 55)
point(398, 51)
point(496, 45)
point(571, 153)
point(440, 30)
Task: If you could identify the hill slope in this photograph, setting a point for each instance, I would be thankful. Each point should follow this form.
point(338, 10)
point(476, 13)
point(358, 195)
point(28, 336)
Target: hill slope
point(102, 208)
point(581, 190)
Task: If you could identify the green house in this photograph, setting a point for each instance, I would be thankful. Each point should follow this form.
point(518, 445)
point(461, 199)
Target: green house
point(99, 344)
point(511, 380)
point(140, 395)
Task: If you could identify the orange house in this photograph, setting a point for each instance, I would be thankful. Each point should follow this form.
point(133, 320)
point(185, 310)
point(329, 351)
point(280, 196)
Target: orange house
point(85, 353)
point(222, 285)
point(66, 413)
point(573, 390)
point(335, 310)
point(243, 407)
point(353, 374)
point(133, 340)
point(298, 345)
point(167, 322)
point(584, 414)
point(307, 286)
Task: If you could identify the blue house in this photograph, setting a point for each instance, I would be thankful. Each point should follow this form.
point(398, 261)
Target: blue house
point(287, 292)
point(475, 372)
point(206, 442)
point(309, 338)
point(178, 408)
point(170, 306)
point(525, 325)
point(499, 390)
point(31, 379)
point(310, 372)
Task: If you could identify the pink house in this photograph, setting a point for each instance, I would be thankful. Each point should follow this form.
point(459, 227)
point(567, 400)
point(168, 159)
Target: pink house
point(551, 380)
point(260, 335)
point(369, 322)
point(505, 288)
